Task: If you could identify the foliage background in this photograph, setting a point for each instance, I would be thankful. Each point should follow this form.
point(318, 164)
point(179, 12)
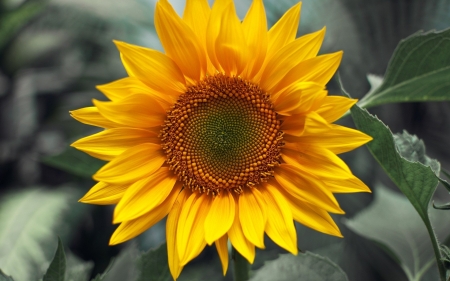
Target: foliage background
point(54, 52)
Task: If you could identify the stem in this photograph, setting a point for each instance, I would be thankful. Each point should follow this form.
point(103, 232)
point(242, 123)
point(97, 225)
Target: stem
point(241, 267)
point(437, 252)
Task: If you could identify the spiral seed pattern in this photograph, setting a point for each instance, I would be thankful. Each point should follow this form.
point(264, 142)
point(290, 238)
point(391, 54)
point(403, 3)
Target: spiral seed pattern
point(223, 133)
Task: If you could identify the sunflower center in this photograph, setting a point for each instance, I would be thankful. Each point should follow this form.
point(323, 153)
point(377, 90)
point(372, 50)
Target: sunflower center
point(223, 133)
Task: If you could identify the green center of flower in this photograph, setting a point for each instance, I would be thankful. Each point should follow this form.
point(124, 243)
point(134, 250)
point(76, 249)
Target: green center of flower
point(222, 134)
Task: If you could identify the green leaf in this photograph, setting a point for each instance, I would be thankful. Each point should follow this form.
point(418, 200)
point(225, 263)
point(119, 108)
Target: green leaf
point(307, 266)
point(153, 265)
point(391, 221)
point(4, 277)
point(12, 21)
point(419, 71)
point(417, 181)
point(30, 221)
point(75, 162)
point(57, 268)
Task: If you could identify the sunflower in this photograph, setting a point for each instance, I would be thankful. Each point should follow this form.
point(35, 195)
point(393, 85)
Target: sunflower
point(230, 133)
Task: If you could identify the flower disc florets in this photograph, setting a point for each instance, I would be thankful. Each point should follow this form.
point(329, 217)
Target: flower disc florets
point(223, 133)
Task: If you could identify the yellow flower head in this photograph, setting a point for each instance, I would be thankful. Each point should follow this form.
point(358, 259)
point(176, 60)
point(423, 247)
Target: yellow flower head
point(229, 133)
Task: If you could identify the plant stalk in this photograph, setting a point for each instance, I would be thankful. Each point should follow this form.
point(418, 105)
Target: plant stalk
point(437, 252)
point(241, 267)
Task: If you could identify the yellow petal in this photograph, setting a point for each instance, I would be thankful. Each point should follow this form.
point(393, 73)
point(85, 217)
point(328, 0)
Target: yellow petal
point(153, 68)
point(222, 250)
point(110, 143)
point(104, 194)
point(145, 195)
point(337, 139)
point(349, 185)
point(299, 98)
point(253, 216)
point(296, 125)
point(306, 187)
point(333, 107)
point(134, 164)
point(180, 42)
point(213, 30)
point(312, 216)
point(196, 15)
point(191, 230)
point(220, 217)
point(124, 87)
point(171, 233)
point(140, 111)
point(319, 70)
point(289, 56)
point(230, 45)
point(315, 160)
point(132, 228)
point(284, 31)
point(254, 26)
point(280, 223)
point(91, 116)
point(238, 240)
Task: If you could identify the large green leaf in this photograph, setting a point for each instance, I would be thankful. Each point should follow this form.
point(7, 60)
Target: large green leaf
point(417, 181)
point(418, 71)
point(153, 265)
point(57, 269)
point(307, 266)
point(30, 220)
point(75, 162)
point(392, 222)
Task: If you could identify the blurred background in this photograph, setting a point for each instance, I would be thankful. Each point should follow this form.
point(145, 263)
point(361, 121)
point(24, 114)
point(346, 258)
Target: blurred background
point(54, 52)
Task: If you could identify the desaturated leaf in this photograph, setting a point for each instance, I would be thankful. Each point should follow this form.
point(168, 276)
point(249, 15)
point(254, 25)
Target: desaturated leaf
point(4, 277)
point(419, 71)
point(57, 269)
point(153, 265)
point(307, 266)
point(30, 220)
point(12, 21)
point(136, 10)
point(123, 267)
point(391, 221)
point(412, 148)
point(375, 82)
point(207, 266)
point(77, 269)
point(75, 162)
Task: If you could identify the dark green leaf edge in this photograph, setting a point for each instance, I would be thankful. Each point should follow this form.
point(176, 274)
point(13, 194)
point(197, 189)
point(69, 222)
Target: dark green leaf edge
point(4, 277)
point(57, 269)
point(442, 207)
